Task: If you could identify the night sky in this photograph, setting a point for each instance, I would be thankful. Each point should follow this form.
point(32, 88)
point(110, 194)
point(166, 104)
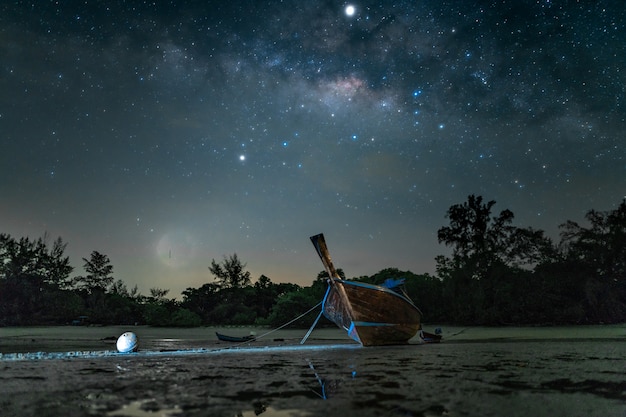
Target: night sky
point(168, 133)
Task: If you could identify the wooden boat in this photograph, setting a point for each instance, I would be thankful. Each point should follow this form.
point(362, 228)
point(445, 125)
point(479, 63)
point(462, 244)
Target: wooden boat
point(235, 339)
point(372, 315)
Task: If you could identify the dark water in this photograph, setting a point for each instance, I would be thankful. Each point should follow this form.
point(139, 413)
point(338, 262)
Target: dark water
point(459, 377)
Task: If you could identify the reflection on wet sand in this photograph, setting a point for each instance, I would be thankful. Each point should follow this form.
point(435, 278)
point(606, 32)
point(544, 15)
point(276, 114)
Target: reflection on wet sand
point(272, 412)
point(527, 374)
point(329, 387)
point(144, 408)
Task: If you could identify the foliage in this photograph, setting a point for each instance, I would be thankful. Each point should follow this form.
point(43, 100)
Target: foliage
point(201, 300)
point(33, 259)
point(230, 274)
point(291, 305)
point(598, 253)
point(481, 242)
point(157, 314)
point(323, 275)
point(167, 313)
point(99, 274)
point(497, 274)
point(32, 278)
point(185, 318)
point(501, 274)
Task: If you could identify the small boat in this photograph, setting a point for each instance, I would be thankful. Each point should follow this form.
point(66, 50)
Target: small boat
point(372, 315)
point(235, 339)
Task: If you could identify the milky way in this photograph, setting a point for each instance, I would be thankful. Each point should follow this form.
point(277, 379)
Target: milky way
point(168, 135)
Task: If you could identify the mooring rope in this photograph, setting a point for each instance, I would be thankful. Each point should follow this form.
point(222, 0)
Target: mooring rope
point(286, 324)
point(292, 321)
point(306, 336)
point(97, 354)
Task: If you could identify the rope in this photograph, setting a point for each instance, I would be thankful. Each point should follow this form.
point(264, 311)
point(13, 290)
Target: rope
point(276, 329)
point(288, 323)
point(306, 336)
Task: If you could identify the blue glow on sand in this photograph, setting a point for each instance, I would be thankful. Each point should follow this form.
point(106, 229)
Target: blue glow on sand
point(34, 356)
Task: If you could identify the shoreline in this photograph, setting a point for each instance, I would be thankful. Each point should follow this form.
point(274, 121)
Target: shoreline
point(51, 339)
point(475, 371)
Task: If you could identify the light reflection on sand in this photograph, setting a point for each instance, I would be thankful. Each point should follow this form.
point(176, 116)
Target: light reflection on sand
point(474, 371)
point(138, 409)
point(272, 412)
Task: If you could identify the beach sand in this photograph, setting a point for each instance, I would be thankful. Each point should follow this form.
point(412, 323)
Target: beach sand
point(573, 371)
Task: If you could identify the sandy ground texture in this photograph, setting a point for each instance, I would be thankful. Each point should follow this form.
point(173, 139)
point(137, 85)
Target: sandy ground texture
point(577, 371)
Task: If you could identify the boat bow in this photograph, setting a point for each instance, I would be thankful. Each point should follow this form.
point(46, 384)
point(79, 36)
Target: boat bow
point(370, 314)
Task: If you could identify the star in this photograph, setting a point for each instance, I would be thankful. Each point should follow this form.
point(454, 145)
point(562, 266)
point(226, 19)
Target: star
point(202, 122)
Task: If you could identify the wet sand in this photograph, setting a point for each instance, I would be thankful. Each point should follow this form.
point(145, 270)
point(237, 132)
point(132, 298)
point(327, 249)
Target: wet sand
point(576, 371)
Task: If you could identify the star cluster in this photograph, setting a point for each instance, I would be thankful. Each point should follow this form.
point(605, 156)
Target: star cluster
point(165, 134)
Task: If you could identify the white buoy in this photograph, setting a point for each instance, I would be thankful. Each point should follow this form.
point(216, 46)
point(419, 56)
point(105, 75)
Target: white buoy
point(127, 342)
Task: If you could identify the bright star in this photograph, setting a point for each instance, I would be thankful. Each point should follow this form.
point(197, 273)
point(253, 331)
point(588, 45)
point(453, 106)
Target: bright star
point(350, 10)
point(242, 158)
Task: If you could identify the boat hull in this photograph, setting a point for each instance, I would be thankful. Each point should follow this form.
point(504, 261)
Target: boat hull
point(372, 315)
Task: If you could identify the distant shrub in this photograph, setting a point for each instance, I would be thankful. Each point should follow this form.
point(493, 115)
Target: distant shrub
point(185, 318)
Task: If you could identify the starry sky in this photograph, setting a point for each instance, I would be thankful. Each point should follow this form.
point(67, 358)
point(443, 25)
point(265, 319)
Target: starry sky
point(165, 134)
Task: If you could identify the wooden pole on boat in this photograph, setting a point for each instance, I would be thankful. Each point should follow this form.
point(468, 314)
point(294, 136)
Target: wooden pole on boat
point(306, 336)
point(335, 280)
point(322, 250)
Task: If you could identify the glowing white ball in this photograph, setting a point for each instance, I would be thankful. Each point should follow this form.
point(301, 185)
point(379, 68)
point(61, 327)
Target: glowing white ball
point(350, 10)
point(127, 342)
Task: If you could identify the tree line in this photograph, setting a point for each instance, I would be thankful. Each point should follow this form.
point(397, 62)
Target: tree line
point(496, 274)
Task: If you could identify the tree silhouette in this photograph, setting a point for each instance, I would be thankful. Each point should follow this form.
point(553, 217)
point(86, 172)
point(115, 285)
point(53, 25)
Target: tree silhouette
point(598, 253)
point(497, 274)
point(480, 241)
point(230, 274)
point(485, 271)
point(475, 237)
point(33, 259)
point(99, 276)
